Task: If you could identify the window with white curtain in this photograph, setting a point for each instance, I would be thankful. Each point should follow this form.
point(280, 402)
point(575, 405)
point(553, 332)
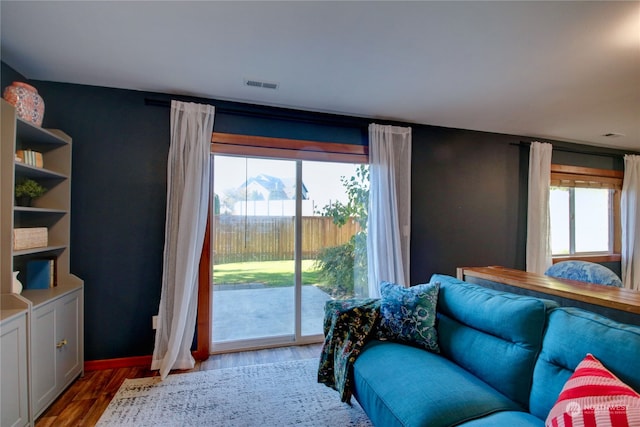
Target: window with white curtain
point(584, 208)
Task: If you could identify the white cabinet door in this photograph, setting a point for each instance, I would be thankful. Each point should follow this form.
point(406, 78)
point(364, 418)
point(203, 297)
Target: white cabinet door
point(43, 355)
point(56, 350)
point(68, 360)
point(14, 401)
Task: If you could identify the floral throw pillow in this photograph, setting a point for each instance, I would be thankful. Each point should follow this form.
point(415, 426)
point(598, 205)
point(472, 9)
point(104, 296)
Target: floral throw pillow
point(409, 314)
point(594, 397)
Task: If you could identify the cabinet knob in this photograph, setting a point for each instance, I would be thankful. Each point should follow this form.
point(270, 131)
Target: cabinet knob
point(61, 343)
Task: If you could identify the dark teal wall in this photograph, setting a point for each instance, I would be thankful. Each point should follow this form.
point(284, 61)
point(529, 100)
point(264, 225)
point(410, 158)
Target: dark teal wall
point(120, 147)
point(466, 201)
point(468, 196)
point(8, 75)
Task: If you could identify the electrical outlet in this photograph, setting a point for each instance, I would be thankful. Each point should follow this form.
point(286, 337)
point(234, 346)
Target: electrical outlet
point(154, 322)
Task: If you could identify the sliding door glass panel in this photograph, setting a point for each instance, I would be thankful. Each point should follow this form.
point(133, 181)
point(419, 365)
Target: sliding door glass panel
point(253, 249)
point(334, 215)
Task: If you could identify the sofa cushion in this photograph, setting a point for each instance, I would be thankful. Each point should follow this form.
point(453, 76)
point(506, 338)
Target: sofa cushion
point(494, 335)
point(505, 419)
point(571, 334)
point(593, 393)
point(401, 385)
point(409, 314)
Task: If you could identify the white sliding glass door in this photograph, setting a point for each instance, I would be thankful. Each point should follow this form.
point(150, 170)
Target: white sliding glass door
point(271, 232)
point(333, 237)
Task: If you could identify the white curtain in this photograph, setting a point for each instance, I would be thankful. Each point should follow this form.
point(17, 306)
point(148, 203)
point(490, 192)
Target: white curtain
point(538, 216)
point(389, 221)
point(630, 216)
point(187, 204)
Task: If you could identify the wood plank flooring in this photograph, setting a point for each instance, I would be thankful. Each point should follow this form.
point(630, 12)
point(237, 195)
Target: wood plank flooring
point(85, 400)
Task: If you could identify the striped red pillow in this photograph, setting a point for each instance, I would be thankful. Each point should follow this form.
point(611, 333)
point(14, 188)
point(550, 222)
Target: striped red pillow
point(594, 397)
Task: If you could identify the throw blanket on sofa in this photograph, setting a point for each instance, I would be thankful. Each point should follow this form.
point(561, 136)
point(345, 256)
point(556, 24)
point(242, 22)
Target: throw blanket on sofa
point(348, 325)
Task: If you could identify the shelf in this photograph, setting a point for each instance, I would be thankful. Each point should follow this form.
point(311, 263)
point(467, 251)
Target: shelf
point(34, 172)
point(8, 314)
point(11, 306)
point(43, 296)
point(37, 135)
point(27, 217)
point(42, 251)
point(26, 209)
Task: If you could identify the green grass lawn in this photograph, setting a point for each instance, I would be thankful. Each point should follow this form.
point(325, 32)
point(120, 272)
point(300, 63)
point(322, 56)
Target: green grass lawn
point(269, 273)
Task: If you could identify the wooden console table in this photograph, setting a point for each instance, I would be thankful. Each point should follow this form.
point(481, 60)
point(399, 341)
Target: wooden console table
point(617, 303)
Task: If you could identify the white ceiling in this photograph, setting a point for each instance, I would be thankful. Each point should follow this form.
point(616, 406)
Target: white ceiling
point(552, 70)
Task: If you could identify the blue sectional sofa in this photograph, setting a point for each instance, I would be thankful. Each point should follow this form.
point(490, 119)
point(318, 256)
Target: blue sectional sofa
point(503, 361)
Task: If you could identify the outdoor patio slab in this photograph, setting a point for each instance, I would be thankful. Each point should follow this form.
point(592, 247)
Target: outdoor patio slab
point(249, 312)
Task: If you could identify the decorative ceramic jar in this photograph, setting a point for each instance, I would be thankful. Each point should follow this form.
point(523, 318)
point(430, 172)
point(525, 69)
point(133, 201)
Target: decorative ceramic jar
point(29, 105)
point(16, 286)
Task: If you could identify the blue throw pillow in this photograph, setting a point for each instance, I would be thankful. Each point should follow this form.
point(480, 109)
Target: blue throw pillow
point(584, 271)
point(409, 314)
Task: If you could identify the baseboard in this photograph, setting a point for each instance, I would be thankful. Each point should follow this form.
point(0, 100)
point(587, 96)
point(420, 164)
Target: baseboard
point(123, 362)
point(131, 362)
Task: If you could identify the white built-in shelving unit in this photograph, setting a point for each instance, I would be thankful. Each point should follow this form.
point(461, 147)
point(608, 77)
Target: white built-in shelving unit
point(41, 330)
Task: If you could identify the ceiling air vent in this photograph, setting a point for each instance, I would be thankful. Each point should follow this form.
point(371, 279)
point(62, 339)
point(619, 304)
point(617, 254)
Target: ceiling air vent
point(262, 84)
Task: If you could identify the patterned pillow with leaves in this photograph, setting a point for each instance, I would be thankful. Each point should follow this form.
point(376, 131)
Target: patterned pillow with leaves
point(409, 314)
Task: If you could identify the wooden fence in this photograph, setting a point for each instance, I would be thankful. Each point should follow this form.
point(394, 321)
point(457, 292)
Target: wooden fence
point(271, 238)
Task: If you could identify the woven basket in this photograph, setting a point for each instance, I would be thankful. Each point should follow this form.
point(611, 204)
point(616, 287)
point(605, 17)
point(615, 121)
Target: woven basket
point(29, 238)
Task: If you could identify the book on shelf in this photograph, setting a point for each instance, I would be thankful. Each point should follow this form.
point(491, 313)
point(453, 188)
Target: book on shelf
point(41, 274)
point(30, 157)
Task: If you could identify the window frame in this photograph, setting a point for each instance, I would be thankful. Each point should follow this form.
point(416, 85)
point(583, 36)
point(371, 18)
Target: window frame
point(292, 149)
point(577, 176)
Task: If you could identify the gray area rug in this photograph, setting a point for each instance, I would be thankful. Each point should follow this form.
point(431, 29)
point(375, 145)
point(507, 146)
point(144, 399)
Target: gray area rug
point(277, 394)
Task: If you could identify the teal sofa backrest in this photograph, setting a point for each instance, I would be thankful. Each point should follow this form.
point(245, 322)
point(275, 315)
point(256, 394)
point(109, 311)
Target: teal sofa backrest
point(494, 335)
point(571, 334)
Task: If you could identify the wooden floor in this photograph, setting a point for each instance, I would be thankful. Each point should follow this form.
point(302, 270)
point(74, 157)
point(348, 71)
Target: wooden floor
point(85, 400)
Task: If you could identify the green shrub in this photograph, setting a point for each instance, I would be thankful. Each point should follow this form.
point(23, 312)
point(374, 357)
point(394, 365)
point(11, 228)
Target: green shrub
point(335, 266)
point(342, 270)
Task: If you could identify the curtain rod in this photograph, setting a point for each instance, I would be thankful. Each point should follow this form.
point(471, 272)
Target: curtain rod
point(574, 151)
point(338, 121)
